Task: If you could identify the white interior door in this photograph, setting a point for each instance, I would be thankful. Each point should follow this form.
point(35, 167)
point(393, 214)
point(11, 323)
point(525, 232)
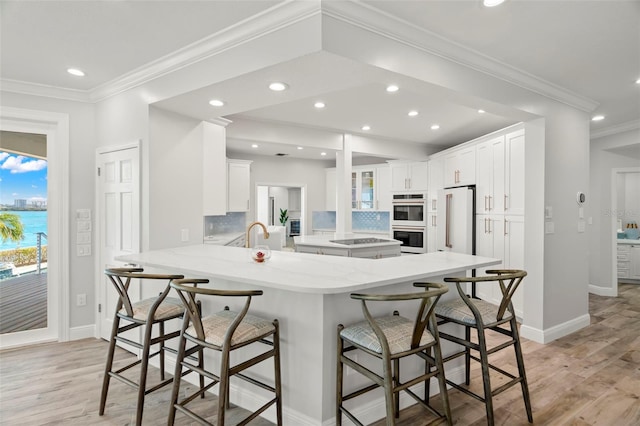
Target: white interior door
point(119, 209)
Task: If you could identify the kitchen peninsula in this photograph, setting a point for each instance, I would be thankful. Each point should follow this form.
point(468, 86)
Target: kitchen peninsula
point(309, 295)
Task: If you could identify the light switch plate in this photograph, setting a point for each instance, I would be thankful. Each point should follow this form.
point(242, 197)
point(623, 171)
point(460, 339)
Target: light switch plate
point(549, 227)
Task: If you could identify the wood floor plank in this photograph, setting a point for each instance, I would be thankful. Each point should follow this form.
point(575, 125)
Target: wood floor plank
point(589, 378)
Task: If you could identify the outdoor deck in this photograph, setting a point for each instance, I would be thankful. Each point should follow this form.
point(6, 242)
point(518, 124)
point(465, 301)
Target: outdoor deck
point(23, 303)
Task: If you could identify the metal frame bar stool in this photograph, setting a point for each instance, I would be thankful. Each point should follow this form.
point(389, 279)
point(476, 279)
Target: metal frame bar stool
point(390, 339)
point(224, 332)
point(145, 313)
point(483, 316)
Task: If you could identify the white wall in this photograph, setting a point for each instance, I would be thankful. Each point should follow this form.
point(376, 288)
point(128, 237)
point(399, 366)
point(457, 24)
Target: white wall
point(82, 173)
point(602, 162)
point(175, 171)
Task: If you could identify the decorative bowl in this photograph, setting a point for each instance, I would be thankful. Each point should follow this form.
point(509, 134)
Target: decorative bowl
point(260, 254)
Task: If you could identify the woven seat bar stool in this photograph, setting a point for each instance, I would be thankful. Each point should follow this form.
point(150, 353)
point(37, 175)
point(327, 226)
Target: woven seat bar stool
point(223, 332)
point(390, 339)
point(145, 313)
point(484, 316)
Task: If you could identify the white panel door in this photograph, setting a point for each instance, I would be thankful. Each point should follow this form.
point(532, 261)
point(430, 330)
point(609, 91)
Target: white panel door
point(119, 209)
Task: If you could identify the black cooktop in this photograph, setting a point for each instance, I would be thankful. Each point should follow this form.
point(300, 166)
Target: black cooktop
point(354, 241)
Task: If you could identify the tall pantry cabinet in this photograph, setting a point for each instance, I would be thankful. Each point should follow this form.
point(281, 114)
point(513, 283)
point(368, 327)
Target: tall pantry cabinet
point(500, 206)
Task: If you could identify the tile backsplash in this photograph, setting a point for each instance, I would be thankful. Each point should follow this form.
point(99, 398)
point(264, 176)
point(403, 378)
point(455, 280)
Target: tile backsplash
point(360, 220)
point(231, 222)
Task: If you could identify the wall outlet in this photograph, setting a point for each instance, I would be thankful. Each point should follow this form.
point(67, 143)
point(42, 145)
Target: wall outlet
point(81, 299)
point(184, 235)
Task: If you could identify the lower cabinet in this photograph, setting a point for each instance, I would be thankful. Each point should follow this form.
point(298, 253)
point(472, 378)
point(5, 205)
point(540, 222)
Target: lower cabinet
point(331, 251)
point(629, 261)
point(502, 237)
point(360, 252)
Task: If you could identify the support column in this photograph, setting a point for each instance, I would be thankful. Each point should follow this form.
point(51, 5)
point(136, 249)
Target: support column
point(343, 186)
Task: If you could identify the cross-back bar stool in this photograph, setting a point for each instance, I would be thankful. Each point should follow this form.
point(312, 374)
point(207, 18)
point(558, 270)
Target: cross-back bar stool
point(390, 339)
point(223, 332)
point(484, 316)
point(144, 313)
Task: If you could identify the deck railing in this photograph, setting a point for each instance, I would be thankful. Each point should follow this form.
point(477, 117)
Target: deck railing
point(39, 236)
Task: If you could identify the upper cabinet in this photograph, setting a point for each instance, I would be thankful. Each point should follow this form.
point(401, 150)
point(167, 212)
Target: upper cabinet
point(362, 188)
point(409, 175)
point(500, 174)
point(239, 185)
point(460, 167)
point(214, 169)
point(383, 188)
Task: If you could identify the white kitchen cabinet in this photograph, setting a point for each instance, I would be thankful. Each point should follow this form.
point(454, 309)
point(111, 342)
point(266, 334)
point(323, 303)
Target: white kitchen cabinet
point(502, 237)
point(432, 232)
point(460, 167)
point(436, 182)
point(409, 176)
point(214, 170)
point(634, 261)
point(383, 188)
point(514, 173)
point(330, 251)
point(295, 199)
point(330, 190)
point(363, 188)
point(490, 171)
point(624, 260)
point(239, 185)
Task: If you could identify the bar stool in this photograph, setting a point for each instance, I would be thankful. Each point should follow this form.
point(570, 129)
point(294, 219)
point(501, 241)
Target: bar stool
point(223, 332)
point(390, 339)
point(147, 313)
point(484, 316)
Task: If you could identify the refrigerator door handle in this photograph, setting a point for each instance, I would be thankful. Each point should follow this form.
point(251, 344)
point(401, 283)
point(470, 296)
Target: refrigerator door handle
point(447, 231)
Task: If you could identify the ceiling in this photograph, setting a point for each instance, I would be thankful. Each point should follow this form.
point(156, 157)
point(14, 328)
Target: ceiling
point(588, 48)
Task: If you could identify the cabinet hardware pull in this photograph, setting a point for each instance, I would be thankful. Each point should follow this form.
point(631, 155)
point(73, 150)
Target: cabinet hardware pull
point(505, 226)
point(485, 203)
point(489, 222)
point(485, 225)
point(490, 197)
point(447, 238)
point(505, 201)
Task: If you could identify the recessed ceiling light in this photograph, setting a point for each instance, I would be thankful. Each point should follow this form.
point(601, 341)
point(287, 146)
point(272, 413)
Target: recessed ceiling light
point(76, 72)
point(278, 87)
point(392, 88)
point(481, 111)
point(638, 81)
point(412, 113)
point(255, 145)
point(435, 127)
point(319, 105)
point(366, 127)
point(492, 3)
point(300, 147)
point(597, 118)
point(216, 103)
point(323, 153)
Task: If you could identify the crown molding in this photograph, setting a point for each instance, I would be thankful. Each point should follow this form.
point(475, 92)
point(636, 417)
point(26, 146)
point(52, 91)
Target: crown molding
point(386, 25)
point(219, 121)
point(618, 128)
point(26, 88)
point(268, 21)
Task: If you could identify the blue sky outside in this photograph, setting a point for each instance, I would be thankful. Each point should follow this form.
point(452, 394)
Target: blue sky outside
point(22, 177)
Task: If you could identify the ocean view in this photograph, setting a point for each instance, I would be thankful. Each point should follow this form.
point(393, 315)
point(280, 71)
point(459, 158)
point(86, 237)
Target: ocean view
point(33, 221)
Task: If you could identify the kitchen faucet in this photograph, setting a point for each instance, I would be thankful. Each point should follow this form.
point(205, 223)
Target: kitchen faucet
point(247, 242)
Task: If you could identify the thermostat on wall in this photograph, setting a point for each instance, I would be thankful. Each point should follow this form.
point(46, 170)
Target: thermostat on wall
point(581, 198)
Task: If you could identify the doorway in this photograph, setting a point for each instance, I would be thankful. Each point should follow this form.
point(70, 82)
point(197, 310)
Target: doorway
point(55, 127)
point(282, 204)
point(625, 203)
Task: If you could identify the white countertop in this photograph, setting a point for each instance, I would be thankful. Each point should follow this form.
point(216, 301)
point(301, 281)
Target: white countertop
point(628, 241)
point(305, 273)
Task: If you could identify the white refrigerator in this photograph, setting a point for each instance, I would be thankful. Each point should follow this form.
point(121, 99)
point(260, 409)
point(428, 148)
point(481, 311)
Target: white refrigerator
point(456, 220)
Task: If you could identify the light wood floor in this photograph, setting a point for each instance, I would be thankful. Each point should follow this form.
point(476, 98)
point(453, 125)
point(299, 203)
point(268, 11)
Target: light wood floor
point(23, 303)
point(591, 377)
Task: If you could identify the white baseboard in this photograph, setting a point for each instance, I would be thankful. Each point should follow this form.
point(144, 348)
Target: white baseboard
point(83, 332)
point(603, 291)
point(555, 332)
